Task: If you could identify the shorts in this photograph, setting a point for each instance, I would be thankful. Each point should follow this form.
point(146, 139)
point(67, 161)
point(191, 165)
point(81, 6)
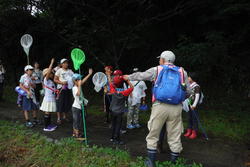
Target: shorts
point(28, 104)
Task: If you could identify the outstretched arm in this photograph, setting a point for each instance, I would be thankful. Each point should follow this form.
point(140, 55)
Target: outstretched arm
point(87, 77)
point(50, 68)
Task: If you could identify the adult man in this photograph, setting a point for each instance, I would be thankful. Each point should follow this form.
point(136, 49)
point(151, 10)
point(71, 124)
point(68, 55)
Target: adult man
point(162, 113)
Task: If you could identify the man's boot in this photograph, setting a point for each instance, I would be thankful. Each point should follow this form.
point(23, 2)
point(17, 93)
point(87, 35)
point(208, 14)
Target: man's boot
point(150, 162)
point(174, 157)
point(188, 133)
point(193, 135)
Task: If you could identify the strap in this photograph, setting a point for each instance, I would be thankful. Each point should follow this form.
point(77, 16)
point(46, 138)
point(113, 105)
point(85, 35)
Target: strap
point(54, 90)
point(137, 83)
point(182, 75)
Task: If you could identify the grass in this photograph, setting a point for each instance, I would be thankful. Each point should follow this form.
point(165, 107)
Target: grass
point(22, 147)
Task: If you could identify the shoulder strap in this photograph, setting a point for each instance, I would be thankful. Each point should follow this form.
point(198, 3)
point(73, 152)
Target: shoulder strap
point(54, 90)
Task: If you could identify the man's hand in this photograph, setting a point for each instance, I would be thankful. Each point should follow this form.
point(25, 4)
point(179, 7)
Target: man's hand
point(125, 77)
point(29, 93)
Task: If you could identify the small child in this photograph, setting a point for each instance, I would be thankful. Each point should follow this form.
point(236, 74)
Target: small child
point(134, 103)
point(78, 102)
point(49, 101)
point(28, 101)
point(194, 100)
point(117, 105)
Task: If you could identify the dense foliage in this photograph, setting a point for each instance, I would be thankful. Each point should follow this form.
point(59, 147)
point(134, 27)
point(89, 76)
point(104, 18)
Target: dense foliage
point(210, 37)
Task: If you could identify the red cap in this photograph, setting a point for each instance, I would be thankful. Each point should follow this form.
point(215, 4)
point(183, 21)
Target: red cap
point(110, 67)
point(117, 72)
point(118, 81)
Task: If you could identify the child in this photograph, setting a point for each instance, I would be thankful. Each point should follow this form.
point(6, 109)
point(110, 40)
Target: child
point(107, 95)
point(194, 100)
point(63, 76)
point(117, 106)
point(49, 101)
point(77, 105)
point(134, 103)
point(37, 77)
point(28, 101)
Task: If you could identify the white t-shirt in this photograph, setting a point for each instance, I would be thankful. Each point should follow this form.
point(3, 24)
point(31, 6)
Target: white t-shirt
point(38, 75)
point(49, 95)
point(138, 92)
point(26, 81)
point(65, 76)
point(77, 103)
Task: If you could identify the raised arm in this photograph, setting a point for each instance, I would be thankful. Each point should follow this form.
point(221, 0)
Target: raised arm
point(50, 68)
point(87, 77)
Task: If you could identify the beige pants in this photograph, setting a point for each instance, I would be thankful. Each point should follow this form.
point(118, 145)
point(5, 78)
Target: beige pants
point(171, 114)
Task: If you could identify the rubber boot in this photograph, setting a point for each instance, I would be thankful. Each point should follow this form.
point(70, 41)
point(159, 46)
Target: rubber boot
point(188, 133)
point(174, 157)
point(150, 162)
point(193, 135)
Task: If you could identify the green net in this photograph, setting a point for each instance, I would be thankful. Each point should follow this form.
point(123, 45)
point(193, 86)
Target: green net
point(78, 57)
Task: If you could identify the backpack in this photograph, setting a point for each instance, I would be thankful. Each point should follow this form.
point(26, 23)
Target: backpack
point(169, 86)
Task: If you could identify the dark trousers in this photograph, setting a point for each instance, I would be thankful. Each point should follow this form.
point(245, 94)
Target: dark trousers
point(77, 118)
point(1, 91)
point(107, 99)
point(116, 125)
point(192, 120)
point(64, 102)
point(37, 92)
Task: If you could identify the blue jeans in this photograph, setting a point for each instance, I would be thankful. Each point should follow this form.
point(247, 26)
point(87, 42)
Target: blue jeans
point(192, 120)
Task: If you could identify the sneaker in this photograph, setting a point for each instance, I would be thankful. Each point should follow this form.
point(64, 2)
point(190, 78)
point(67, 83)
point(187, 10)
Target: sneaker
point(52, 127)
point(137, 125)
point(118, 142)
point(123, 131)
point(29, 124)
point(48, 129)
point(130, 126)
point(36, 122)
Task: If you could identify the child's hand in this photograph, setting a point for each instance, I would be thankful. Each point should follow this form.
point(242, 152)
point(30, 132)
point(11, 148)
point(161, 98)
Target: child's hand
point(52, 61)
point(192, 108)
point(90, 71)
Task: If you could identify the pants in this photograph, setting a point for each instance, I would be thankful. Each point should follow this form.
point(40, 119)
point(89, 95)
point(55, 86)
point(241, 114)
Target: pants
point(1, 91)
point(64, 102)
point(171, 115)
point(116, 125)
point(192, 120)
point(77, 117)
point(162, 134)
point(133, 114)
point(107, 99)
point(37, 92)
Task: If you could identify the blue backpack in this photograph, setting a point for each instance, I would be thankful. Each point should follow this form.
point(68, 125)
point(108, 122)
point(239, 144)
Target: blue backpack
point(169, 86)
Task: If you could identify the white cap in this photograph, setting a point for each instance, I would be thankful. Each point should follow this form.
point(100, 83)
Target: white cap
point(63, 60)
point(168, 56)
point(28, 67)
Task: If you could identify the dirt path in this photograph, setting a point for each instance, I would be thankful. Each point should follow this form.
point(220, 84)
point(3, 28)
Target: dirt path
point(213, 153)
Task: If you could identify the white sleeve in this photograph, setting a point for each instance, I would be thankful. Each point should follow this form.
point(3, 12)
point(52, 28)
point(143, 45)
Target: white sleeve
point(197, 97)
point(58, 72)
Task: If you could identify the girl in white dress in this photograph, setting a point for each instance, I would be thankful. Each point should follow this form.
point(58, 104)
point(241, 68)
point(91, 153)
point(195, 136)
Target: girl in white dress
point(49, 102)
